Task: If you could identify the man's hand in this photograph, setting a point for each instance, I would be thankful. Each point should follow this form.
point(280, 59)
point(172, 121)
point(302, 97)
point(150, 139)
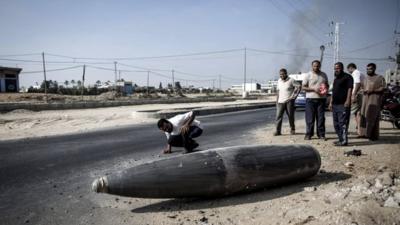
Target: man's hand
point(353, 99)
point(185, 129)
point(316, 90)
point(330, 106)
point(167, 150)
point(347, 104)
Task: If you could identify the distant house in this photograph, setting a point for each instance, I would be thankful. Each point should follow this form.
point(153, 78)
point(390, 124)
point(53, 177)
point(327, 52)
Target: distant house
point(9, 79)
point(125, 87)
point(250, 87)
point(270, 86)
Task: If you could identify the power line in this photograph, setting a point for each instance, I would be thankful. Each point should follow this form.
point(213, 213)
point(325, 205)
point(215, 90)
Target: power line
point(279, 53)
point(53, 70)
point(150, 57)
point(312, 12)
point(52, 62)
point(194, 75)
point(370, 46)
point(18, 55)
point(304, 15)
point(300, 24)
point(143, 68)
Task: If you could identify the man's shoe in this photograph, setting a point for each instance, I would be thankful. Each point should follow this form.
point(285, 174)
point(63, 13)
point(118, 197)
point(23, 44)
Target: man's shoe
point(277, 133)
point(293, 132)
point(340, 144)
point(323, 138)
point(191, 146)
point(307, 137)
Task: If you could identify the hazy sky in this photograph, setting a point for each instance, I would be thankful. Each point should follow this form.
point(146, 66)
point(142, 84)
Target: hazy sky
point(292, 30)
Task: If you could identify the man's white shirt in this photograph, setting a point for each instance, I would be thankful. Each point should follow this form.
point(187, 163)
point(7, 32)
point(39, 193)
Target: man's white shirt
point(178, 121)
point(358, 77)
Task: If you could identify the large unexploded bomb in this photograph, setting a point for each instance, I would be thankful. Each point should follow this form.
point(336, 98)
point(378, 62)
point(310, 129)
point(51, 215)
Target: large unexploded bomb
point(214, 172)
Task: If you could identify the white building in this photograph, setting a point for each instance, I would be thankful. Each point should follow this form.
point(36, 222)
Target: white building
point(250, 87)
point(298, 77)
point(270, 86)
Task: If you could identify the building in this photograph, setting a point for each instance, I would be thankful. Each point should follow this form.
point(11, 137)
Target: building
point(125, 87)
point(299, 77)
point(250, 87)
point(9, 79)
point(270, 87)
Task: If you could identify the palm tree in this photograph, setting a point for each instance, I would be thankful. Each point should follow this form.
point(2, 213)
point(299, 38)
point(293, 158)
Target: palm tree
point(66, 83)
point(98, 82)
point(73, 82)
point(79, 83)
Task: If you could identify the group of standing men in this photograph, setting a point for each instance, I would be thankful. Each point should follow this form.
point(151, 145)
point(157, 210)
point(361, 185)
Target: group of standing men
point(357, 94)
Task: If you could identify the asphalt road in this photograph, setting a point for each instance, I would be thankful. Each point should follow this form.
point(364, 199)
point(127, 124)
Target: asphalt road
point(47, 180)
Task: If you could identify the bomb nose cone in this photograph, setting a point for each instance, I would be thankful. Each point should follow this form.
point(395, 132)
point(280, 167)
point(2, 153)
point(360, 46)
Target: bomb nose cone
point(100, 185)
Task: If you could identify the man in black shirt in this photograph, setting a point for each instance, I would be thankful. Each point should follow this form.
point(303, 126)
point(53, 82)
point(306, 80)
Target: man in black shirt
point(340, 103)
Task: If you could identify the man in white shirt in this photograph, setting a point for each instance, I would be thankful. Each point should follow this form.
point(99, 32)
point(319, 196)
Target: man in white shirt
point(288, 90)
point(356, 97)
point(316, 86)
point(180, 131)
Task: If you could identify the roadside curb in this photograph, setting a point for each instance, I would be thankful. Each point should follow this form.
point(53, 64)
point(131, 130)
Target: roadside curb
point(6, 107)
point(212, 110)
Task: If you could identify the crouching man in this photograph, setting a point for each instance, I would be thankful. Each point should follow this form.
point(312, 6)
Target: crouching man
point(180, 131)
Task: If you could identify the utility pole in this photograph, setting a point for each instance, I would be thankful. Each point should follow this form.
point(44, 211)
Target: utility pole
point(244, 72)
point(336, 46)
point(119, 75)
point(219, 77)
point(115, 73)
point(213, 84)
point(322, 48)
point(44, 74)
point(148, 78)
point(173, 80)
point(83, 81)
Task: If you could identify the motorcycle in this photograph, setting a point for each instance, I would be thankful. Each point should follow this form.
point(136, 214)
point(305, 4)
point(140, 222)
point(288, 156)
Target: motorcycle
point(391, 107)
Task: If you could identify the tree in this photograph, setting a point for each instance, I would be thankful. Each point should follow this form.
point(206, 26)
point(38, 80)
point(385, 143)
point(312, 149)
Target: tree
point(98, 82)
point(79, 83)
point(160, 86)
point(73, 82)
point(66, 83)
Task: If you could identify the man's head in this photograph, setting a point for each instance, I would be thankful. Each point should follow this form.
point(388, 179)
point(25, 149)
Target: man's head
point(338, 68)
point(351, 67)
point(371, 69)
point(283, 74)
point(165, 125)
point(316, 66)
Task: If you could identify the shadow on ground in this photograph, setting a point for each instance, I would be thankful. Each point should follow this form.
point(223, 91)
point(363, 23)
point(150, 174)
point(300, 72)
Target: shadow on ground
point(244, 198)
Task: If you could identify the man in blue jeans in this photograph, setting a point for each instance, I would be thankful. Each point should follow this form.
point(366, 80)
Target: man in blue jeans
point(180, 131)
point(340, 103)
point(315, 84)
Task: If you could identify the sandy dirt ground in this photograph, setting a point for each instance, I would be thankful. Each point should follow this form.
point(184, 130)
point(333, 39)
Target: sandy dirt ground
point(26, 124)
point(348, 190)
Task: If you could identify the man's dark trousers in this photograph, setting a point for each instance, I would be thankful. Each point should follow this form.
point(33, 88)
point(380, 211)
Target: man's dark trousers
point(185, 140)
point(287, 107)
point(341, 119)
point(315, 110)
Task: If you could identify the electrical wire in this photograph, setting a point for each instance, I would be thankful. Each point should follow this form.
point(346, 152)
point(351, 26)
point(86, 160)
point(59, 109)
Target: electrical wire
point(300, 24)
point(149, 57)
point(52, 70)
point(370, 46)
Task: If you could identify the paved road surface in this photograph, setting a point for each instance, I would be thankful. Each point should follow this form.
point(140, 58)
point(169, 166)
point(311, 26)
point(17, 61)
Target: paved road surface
point(47, 180)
